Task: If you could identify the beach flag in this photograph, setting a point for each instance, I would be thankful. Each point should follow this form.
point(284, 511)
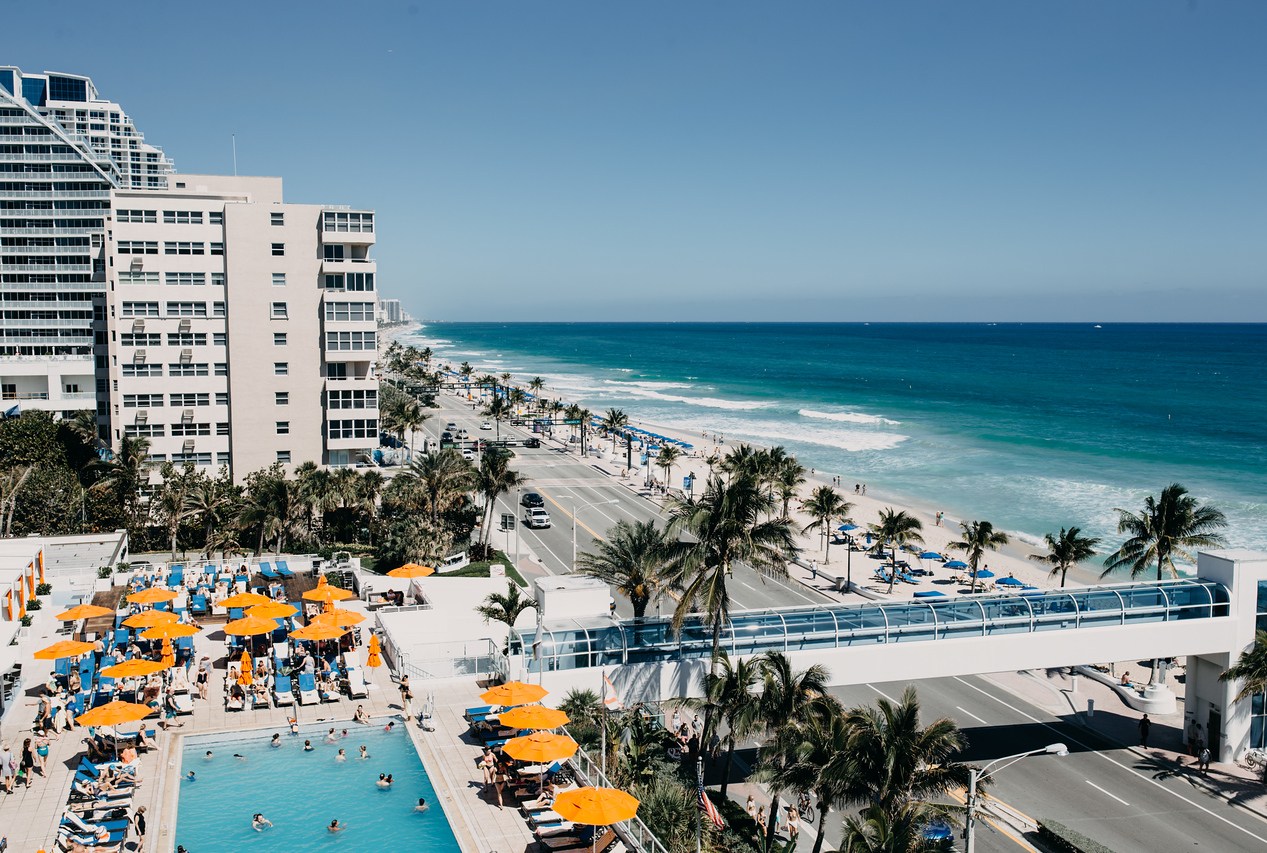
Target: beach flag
point(705, 804)
point(611, 701)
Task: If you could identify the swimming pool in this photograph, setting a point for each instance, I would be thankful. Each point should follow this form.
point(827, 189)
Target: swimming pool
point(301, 792)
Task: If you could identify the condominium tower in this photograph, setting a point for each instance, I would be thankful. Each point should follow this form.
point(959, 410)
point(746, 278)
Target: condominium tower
point(231, 328)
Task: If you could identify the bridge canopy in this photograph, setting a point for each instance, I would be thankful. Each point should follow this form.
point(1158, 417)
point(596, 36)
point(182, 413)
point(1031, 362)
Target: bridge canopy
point(576, 644)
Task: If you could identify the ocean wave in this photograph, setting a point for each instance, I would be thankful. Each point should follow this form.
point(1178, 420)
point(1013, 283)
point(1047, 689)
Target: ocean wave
point(847, 417)
point(646, 384)
point(782, 432)
point(706, 402)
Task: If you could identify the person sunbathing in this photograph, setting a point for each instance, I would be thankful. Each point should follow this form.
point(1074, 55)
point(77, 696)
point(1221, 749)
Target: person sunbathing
point(361, 716)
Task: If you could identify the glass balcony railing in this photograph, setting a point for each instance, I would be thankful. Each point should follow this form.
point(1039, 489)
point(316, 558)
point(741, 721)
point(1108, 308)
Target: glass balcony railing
point(604, 642)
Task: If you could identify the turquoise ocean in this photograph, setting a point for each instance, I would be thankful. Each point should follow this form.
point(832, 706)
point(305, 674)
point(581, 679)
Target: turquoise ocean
point(1031, 426)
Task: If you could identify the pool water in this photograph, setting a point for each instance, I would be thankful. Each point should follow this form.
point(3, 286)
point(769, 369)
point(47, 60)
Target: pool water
point(301, 792)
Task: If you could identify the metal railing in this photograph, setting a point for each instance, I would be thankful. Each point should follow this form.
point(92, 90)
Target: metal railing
point(477, 659)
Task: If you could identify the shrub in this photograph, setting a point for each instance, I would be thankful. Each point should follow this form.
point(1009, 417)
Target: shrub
point(105, 571)
point(34, 604)
point(43, 588)
point(26, 621)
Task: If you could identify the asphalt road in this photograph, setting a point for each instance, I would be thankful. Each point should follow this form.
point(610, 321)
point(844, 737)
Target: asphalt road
point(576, 488)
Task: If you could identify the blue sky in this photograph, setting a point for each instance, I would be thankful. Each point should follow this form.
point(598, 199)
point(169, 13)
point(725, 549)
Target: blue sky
point(731, 160)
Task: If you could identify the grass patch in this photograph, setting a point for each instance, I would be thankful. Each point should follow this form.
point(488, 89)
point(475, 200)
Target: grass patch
point(481, 569)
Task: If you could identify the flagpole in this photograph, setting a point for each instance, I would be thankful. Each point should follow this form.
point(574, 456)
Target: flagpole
point(602, 753)
point(699, 816)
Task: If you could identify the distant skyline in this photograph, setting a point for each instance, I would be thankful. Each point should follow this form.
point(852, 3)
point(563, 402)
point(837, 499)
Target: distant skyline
point(997, 161)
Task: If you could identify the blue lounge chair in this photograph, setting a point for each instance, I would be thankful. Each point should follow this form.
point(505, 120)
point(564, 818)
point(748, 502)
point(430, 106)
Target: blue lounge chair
point(283, 691)
point(308, 694)
point(267, 572)
point(198, 605)
point(236, 613)
point(284, 570)
point(121, 638)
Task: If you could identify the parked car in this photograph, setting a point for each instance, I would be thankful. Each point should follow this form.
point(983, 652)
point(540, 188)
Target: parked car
point(486, 425)
point(536, 518)
point(532, 499)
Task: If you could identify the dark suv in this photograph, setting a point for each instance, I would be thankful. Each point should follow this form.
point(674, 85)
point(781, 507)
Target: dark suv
point(532, 442)
point(532, 499)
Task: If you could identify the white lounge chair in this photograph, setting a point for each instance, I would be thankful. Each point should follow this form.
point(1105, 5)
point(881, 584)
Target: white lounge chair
point(308, 694)
point(356, 682)
point(179, 680)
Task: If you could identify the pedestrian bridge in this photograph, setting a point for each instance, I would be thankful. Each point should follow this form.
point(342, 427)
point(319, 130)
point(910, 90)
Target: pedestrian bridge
point(897, 641)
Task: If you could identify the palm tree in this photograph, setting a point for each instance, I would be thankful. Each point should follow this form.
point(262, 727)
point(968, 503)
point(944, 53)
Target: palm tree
point(465, 371)
point(207, 500)
point(632, 559)
point(790, 478)
point(614, 421)
point(173, 499)
point(875, 830)
point(410, 419)
point(506, 608)
point(312, 484)
point(498, 409)
point(895, 529)
point(790, 700)
point(445, 477)
point(727, 523)
point(535, 385)
point(826, 507)
point(1169, 526)
point(741, 459)
point(730, 697)
point(813, 747)
point(1065, 550)
point(11, 482)
point(1250, 668)
point(669, 453)
point(494, 479)
point(125, 473)
point(978, 537)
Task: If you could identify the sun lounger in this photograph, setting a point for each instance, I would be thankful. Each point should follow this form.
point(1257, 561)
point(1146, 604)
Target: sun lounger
point(181, 703)
point(266, 572)
point(356, 682)
point(283, 691)
point(259, 700)
point(545, 817)
point(579, 842)
point(69, 818)
point(284, 570)
point(327, 693)
point(308, 689)
point(550, 830)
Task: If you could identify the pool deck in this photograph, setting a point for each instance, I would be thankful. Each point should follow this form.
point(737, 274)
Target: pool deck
point(30, 816)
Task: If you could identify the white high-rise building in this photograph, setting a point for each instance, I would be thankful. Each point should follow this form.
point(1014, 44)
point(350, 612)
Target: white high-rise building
point(62, 150)
point(223, 324)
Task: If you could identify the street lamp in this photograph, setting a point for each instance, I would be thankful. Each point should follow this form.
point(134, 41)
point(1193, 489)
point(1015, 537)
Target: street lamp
point(974, 776)
point(583, 506)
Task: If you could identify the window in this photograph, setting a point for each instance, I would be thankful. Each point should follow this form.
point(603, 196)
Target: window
point(217, 278)
point(185, 401)
point(137, 247)
point(191, 369)
point(355, 311)
point(137, 277)
point(186, 309)
point(337, 370)
point(222, 368)
point(144, 431)
point(140, 216)
point(348, 222)
point(142, 401)
point(281, 398)
point(333, 281)
point(138, 371)
point(332, 252)
point(352, 399)
point(140, 309)
point(217, 248)
point(222, 428)
point(359, 281)
point(184, 248)
point(279, 279)
point(279, 249)
point(279, 339)
point(140, 339)
point(187, 430)
point(277, 219)
point(218, 309)
point(196, 458)
point(222, 398)
point(186, 339)
point(281, 368)
point(350, 341)
point(283, 456)
point(219, 339)
point(358, 428)
point(283, 427)
point(222, 458)
point(279, 311)
point(215, 217)
point(186, 278)
point(182, 217)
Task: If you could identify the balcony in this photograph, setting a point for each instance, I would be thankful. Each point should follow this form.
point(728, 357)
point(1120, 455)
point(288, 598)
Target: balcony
point(46, 267)
point(51, 193)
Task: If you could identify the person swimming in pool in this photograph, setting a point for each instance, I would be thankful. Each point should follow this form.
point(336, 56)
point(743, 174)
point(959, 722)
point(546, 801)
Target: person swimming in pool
point(208, 756)
point(422, 805)
point(335, 826)
point(331, 737)
point(239, 756)
point(390, 726)
point(308, 747)
point(260, 823)
point(342, 756)
point(276, 742)
point(294, 726)
point(190, 777)
point(383, 781)
point(365, 753)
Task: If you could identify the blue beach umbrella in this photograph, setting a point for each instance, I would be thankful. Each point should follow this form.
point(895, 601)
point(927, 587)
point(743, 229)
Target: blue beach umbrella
point(1008, 581)
point(930, 555)
point(985, 573)
point(845, 528)
point(956, 564)
point(930, 593)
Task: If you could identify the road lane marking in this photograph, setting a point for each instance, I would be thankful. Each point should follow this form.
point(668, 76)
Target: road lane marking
point(881, 692)
point(1114, 761)
point(1024, 845)
point(1106, 793)
point(970, 714)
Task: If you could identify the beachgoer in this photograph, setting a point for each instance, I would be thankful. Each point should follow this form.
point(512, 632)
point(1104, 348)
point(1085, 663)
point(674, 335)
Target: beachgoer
point(364, 753)
point(335, 826)
point(751, 807)
point(190, 776)
point(331, 737)
point(260, 823)
point(422, 805)
point(405, 695)
point(487, 763)
point(294, 726)
point(361, 716)
point(308, 747)
point(761, 815)
point(391, 725)
point(345, 733)
point(342, 756)
point(1126, 679)
point(138, 821)
point(239, 756)
point(276, 742)
point(201, 680)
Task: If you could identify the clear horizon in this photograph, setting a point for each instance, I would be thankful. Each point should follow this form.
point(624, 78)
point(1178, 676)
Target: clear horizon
point(977, 162)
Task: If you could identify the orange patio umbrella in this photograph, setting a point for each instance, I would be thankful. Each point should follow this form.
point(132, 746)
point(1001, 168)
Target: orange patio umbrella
point(375, 657)
point(326, 593)
point(411, 570)
point(318, 631)
point(339, 617)
point(153, 595)
point(84, 611)
point(534, 717)
point(150, 618)
point(114, 713)
point(514, 693)
point(540, 748)
point(169, 631)
point(272, 610)
point(245, 599)
point(169, 654)
point(245, 678)
point(595, 806)
point(250, 626)
point(134, 668)
point(64, 649)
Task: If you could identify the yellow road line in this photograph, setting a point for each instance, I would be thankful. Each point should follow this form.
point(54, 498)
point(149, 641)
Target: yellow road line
point(1020, 842)
point(578, 522)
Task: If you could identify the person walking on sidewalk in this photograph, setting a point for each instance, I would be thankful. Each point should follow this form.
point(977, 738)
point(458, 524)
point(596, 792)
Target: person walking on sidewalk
point(1204, 760)
point(405, 695)
point(1145, 726)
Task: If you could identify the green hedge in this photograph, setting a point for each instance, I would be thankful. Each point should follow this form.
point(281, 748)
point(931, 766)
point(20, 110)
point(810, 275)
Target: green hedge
point(1063, 838)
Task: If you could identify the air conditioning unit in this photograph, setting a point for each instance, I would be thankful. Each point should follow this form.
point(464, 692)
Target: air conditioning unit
point(138, 357)
point(142, 417)
point(138, 326)
point(187, 416)
point(186, 356)
point(189, 445)
point(186, 324)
